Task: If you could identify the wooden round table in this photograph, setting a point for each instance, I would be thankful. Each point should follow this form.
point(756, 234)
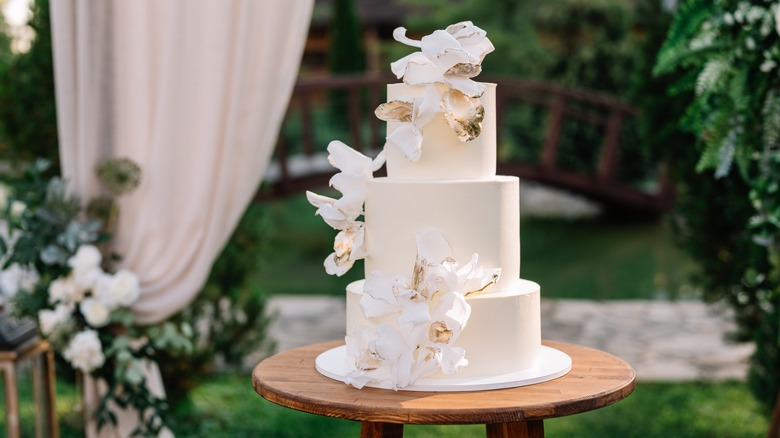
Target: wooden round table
point(597, 379)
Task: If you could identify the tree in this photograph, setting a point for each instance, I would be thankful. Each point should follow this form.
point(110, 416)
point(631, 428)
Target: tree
point(28, 115)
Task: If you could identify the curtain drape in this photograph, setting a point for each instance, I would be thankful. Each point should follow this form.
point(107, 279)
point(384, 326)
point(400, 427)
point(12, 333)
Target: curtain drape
point(194, 91)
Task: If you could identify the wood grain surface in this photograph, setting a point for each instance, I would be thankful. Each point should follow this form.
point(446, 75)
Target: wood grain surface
point(597, 379)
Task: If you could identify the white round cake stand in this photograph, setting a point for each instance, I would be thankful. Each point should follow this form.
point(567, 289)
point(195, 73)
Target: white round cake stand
point(552, 364)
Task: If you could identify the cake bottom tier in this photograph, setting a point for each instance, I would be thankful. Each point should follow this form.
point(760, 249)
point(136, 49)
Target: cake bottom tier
point(503, 333)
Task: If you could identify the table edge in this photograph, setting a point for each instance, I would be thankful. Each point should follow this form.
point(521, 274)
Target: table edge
point(435, 416)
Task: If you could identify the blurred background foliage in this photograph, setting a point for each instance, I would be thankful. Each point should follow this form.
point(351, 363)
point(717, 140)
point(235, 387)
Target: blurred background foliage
point(605, 45)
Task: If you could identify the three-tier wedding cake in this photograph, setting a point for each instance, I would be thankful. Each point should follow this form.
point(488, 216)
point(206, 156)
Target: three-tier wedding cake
point(442, 306)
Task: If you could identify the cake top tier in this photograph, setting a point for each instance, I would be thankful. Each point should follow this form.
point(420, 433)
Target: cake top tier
point(441, 123)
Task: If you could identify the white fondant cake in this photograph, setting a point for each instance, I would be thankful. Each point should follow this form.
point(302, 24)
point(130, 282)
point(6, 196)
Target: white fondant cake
point(440, 238)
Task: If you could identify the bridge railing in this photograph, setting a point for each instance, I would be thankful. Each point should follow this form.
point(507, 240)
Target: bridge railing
point(538, 129)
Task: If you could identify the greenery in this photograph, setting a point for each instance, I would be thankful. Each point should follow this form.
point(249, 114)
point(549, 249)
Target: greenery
point(728, 52)
point(229, 315)
point(226, 405)
point(82, 310)
point(28, 120)
point(607, 46)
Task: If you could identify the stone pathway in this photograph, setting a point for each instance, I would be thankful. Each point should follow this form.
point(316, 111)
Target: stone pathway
point(663, 340)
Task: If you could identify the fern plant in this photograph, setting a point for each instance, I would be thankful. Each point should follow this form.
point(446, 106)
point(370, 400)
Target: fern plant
point(729, 52)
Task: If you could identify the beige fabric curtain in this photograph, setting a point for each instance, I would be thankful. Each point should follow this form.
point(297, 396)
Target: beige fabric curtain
point(192, 90)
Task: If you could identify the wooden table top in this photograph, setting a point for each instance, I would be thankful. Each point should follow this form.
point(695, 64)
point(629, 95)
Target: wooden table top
point(597, 379)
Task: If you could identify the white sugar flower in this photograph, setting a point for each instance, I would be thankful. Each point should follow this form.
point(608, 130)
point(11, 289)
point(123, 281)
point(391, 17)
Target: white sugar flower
point(326, 209)
point(120, 289)
point(431, 312)
point(382, 355)
point(341, 214)
point(50, 320)
point(415, 113)
point(451, 56)
point(94, 312)
point(348, 248)
point(84, 351)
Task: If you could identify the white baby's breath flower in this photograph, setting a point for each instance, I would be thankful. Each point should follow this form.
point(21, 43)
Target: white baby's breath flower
point(84, 352)
point(94, 312)
point(50, 320)
point(768, 65)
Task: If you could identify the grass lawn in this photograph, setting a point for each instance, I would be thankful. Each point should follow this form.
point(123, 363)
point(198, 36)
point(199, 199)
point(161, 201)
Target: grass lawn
point(588, 259)
point(227, 406)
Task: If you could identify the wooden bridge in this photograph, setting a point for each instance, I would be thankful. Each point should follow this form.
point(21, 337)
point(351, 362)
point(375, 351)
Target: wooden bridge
point(567, 138)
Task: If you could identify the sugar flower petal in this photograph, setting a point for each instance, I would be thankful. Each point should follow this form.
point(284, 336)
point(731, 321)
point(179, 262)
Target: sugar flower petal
point(464, 114)
point(337, 266)
point(408, 139)
point(399, 110)
point(432, 246)
point(348, 160)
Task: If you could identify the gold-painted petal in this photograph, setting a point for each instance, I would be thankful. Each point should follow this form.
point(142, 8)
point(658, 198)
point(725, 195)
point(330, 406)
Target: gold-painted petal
point(439, 333)
point(464, 70)
point(395, 111)
point(464, 114)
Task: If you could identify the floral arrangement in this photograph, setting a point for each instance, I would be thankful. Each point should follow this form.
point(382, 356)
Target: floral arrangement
point(421, 317)
point(82, 308)
point(729, 53)
point(449, 58)
point(342, 214)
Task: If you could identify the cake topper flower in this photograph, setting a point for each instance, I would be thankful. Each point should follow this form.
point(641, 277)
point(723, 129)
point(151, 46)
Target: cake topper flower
point(416, 113)
point(450, 58)
point(342, 214)
point(429, 309)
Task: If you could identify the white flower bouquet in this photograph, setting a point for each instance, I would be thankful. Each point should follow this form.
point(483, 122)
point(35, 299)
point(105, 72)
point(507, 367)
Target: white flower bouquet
point(82, 307)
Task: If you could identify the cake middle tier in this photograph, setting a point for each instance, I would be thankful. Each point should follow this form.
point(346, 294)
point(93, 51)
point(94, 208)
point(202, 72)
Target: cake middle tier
point(475, 216)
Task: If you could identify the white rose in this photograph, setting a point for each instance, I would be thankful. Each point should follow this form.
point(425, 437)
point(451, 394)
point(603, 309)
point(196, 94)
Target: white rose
point(84, 351)
point(121, 289)
point(96, 314)
point(87, 258)
point(65, 290)
point(85, 279)
point(49, 320)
